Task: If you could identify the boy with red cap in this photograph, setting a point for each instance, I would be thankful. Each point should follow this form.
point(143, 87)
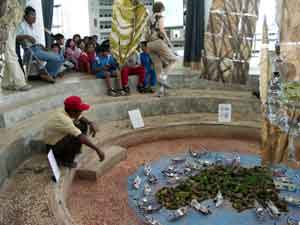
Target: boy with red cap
point(66, 131)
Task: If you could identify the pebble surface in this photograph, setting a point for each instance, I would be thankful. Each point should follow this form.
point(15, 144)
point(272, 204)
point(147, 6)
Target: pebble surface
point(24, 199)
point(106, 201)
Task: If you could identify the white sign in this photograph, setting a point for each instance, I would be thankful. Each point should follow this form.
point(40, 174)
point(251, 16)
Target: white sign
point(54, 166)
point(225, 112)
point(136, 119)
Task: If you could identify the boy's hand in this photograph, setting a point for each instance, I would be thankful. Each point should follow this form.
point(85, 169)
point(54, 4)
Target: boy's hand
point(101, 155)
point(93, 129)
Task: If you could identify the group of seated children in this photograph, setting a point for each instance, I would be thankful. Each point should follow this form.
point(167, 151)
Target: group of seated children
point(87, 56)
point(105, 67)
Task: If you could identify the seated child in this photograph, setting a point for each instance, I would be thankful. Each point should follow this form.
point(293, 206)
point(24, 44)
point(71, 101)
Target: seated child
point(133, 67)
point(106, 67)
point(146, 61)
point(71, 54)
point(84, 61)
point(55, 47)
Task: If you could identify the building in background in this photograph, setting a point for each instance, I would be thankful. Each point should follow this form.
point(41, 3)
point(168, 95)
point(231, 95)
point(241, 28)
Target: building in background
point(100, 16)
point(71, 17)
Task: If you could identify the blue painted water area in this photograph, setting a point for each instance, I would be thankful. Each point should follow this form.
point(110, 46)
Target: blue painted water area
point(225, 215)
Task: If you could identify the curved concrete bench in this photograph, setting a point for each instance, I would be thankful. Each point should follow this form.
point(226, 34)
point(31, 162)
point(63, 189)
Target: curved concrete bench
point(59, 192)
point(18, 143)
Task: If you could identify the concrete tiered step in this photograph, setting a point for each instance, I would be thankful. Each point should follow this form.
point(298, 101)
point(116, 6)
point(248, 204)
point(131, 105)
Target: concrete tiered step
point(16, 107)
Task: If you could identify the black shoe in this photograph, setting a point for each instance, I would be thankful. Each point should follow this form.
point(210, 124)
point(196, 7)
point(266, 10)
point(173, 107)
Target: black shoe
point(140, 89)
point(126, 90)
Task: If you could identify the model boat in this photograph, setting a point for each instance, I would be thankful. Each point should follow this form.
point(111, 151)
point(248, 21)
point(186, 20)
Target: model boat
point(285, 184)
point(137, 182)
point(178, 214)
point(149, 206)
point(151, 221)
point(200, 208)
point(197, 155)
point(193, 166)
point(171, 171)
point(219, 200)
point(147, 170)
point(272, 209)
point(152, 179)
point(236, 160)
point(174, 180)
point(292, 220)
point(259, 210)
point(147, 189)
point(205, 163)
point(292, 200)
point(179, 160)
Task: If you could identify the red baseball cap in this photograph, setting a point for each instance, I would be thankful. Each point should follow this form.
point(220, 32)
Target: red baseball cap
point(75, 103)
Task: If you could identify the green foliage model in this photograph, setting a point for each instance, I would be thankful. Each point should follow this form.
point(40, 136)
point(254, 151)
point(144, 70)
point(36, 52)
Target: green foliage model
point(241, 186)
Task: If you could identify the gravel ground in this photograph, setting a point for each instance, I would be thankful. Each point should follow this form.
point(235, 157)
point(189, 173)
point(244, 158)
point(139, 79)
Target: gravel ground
point(105, 202)
point(24, 199)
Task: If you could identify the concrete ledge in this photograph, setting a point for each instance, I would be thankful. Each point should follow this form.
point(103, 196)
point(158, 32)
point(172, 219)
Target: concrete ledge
point(241, 130)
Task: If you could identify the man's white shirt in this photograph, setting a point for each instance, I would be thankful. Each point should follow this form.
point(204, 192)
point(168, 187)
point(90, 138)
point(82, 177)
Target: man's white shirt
point(26, 29)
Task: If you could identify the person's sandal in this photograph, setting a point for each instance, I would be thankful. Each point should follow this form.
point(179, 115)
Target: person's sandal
point(126, 90)
point(121, 92)
point(47, 78)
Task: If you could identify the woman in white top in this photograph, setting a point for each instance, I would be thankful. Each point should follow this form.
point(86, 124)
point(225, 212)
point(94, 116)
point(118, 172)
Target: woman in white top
point(160, 47)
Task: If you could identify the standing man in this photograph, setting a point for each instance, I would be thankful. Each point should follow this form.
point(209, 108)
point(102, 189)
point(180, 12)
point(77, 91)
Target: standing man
point(66, 131)
point(28, 36)
point(10, 17)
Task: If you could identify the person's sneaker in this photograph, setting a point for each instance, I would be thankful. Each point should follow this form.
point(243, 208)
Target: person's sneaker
point(70, 165)
point(47, 78)
point(112, 93)
point(26, 87)
point(126, 90)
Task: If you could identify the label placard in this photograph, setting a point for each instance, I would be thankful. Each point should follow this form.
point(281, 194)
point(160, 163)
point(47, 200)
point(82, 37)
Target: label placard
point(136, 118)
point(54, 166)
point(225, 111)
